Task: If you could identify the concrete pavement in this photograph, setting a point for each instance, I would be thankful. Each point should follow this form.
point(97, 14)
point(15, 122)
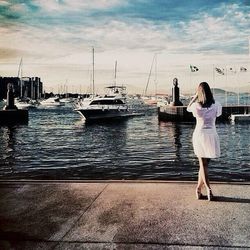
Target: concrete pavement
point(122, 215)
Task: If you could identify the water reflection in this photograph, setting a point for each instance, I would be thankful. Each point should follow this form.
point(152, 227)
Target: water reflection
point(106, 144)
point(7, 148)
point(173, 133)
point(110, 136)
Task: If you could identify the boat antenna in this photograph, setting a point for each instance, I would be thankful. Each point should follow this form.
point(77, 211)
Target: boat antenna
point(93, 70)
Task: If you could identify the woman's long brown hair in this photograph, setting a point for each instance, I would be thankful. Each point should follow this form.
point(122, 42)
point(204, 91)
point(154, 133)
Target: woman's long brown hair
point(205, 95)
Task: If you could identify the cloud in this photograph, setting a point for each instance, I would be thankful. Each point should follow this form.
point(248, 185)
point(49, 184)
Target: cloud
point(4, 3)
point(206, 32)
point(74, 5)
point(62, 33)
point(6, 53)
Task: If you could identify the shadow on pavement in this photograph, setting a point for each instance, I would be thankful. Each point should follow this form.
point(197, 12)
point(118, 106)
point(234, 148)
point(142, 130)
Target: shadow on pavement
point(230, 199)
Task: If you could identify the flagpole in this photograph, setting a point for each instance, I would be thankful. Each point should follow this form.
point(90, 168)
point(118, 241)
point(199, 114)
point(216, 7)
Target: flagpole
point(190, 81)
point(213, 79)
point(225, 89)
point(93, 71)
point(237, 81)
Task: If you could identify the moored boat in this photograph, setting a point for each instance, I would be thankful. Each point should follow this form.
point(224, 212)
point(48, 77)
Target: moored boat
point(25, 103)
point(240, 117)
point(52, 102)
point(110, 106)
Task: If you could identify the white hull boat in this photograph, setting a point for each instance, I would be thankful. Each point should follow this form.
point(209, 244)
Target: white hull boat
point(111, 106)
point(240, 117)
point(52, 102)
point(25, 104)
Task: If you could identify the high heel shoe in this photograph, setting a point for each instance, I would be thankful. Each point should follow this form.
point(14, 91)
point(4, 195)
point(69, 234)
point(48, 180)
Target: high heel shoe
point(198, 194)
point(210, 195)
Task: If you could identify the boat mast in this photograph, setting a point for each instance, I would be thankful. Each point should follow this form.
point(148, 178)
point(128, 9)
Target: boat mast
point(155, 80)
point(93, 70)
point(150, 72)
point(115, 72)
point(20, 75)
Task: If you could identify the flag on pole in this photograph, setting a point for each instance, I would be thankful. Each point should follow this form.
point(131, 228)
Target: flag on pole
point(193, 68)
point(220, 71)
point(243, 69)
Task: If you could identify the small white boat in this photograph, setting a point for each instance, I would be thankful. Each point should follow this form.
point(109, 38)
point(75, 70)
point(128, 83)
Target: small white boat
point(150, 100)
point(25, 103)
point(52, 102)
point(240, 117)
point(66, 100)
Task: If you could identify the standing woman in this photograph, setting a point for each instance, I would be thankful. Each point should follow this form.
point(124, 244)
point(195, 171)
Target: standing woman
point(205, 138)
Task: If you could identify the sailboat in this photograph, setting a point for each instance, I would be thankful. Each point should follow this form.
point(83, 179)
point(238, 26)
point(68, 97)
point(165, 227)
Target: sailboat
point(23, 102)
point(149, 99)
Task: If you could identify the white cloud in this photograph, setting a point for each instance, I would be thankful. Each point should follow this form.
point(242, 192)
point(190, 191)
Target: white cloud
point(19, 8)
point(4, 3)
point(76, 5)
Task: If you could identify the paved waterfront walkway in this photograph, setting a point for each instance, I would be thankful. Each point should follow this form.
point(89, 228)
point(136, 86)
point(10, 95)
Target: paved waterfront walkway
point(122, 215)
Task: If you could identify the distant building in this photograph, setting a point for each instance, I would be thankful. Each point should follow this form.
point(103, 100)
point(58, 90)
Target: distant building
point(31, 87)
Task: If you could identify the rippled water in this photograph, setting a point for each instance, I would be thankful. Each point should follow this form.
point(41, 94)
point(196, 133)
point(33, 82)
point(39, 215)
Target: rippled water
point(57, 144)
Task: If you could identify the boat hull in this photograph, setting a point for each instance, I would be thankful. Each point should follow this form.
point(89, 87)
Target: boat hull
point(95, 115)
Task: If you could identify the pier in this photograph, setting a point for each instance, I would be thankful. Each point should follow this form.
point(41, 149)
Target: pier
point(122, 215)
point(180, 113)
point(13, 117)
point(10, 113)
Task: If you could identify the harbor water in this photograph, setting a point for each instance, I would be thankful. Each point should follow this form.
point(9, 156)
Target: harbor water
point(58, 144)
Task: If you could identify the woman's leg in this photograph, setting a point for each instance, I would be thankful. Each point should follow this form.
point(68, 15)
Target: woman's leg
point(199, 186)
point(203, 173)
point(200, 181)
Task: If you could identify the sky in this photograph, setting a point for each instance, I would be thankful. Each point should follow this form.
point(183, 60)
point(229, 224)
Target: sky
point(55, 39)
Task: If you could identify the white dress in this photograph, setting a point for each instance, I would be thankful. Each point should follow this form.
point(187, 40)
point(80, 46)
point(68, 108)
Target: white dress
point(205, 138)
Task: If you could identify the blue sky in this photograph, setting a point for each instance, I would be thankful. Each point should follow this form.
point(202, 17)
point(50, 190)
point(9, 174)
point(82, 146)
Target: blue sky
point(55, 37)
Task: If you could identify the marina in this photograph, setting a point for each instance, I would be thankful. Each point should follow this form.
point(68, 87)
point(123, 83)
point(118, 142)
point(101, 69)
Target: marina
point(57, 143)
point(96, 156)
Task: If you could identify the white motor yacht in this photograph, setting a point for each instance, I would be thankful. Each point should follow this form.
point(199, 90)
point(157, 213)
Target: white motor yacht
point(112, 105)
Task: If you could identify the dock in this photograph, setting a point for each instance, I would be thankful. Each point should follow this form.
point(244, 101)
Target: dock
point(11, 115)
point(18, 116)
point(240, 117)
point(122, 215)
point(180, 113)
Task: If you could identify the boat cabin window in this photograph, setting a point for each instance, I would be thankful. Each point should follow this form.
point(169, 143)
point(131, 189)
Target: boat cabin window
point(106, 102)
